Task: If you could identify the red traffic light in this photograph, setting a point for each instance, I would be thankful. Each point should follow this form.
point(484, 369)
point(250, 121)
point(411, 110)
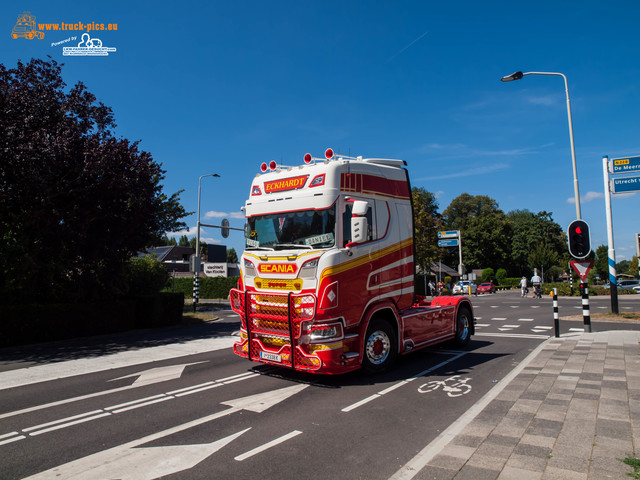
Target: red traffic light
point(579, 240)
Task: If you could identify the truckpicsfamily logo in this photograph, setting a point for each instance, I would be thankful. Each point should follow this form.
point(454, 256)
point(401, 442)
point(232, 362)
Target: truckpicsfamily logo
point(26, 27)
point(291, 183)
point(277, 268)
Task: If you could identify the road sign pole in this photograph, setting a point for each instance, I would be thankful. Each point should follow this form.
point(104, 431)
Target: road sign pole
point(613, 285)
point(461, 265)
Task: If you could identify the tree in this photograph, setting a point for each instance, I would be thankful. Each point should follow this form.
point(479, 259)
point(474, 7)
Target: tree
point(543, 258)
point(529, 231)
point(232, 256)
point(633, 267)
point(77, 202)
point(427, 222)
point(601, 262)
point(184, 241)
point(484, 229)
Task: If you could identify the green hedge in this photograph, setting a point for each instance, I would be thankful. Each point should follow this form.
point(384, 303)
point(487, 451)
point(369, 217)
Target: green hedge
point(208, 287)
point(24, 324)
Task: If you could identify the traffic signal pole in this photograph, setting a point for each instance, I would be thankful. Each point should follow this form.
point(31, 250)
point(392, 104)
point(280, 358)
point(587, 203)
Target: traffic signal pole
point(613, 284)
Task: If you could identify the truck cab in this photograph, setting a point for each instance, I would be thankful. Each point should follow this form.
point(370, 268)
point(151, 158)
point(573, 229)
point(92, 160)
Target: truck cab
point(327, 275)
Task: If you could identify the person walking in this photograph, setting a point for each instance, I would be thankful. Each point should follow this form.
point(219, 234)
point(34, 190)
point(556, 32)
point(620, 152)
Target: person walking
point(523, 287)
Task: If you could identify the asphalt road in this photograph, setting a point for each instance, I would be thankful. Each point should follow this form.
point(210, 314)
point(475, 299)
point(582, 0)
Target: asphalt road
point(177, 401)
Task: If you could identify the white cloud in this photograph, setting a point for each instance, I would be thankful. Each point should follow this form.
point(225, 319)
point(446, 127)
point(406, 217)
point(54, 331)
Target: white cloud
point(590, 196)
point(214, 214)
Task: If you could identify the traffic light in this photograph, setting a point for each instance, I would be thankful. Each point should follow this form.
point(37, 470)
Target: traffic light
point(579, 240)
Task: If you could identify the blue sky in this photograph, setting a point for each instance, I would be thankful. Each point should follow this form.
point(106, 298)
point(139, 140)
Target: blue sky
point(220, 87)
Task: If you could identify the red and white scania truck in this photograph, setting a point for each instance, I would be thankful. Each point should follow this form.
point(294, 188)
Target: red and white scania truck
point(327, 275)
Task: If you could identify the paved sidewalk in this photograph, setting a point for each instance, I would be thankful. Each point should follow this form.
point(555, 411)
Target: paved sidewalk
point(572, 412)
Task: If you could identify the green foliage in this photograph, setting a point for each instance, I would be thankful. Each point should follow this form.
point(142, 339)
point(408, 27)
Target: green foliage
point(77, 202)
point(427, 222)
point(501, 274)
point(601, 261)
point(34, 323)
point(485, 230)
point(488, 275)
point(232, 256)
point(633, 267)
point(146, 275)
point(543, 258)
point(208, 287)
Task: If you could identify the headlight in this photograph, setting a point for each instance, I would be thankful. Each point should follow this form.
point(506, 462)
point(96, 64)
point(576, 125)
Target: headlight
point(249, 269)
point(308, 270)
point(325, 332)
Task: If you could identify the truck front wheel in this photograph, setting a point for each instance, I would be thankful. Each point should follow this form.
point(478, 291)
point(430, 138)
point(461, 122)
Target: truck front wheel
point(380, 347)
point(463, 327)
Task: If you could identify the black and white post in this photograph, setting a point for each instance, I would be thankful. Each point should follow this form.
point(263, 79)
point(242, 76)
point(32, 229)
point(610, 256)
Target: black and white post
point(556, 320)
point(586, 316)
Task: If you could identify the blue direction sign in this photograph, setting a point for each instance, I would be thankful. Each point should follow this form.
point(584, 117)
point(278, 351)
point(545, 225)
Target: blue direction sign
point(448, 234)
point(449, 242)
point(625, 165)
point(626, 184)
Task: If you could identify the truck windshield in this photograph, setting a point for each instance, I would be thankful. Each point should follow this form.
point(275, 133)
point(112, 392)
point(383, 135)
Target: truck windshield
point(301, 229)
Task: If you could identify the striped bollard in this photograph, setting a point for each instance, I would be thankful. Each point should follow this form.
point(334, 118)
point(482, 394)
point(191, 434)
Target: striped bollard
point(556, 320)
point(585, 307)
point(196, 293)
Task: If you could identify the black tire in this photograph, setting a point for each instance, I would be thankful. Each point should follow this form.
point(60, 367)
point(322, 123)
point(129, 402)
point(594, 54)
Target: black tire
point(380, 347)
point(464, 323)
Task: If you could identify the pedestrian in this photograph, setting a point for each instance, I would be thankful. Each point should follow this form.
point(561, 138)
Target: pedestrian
point(523, 287)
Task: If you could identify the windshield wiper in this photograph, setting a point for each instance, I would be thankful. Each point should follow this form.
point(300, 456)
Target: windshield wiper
point(285, 246)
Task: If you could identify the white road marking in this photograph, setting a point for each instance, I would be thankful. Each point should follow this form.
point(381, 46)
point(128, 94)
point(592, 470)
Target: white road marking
point(512, 335)
point(129, 461)
point(525, 319)
point(413, 467)
point(267, 446)
point(58, 370)
point(375, 396)
point(123, 407)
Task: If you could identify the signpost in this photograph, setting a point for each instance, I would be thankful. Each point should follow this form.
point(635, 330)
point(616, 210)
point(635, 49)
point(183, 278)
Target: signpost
point(583, 268)
point(625, 165)
point(621, 184)
point(452, 238)
point(449, 242)
point(626, 184)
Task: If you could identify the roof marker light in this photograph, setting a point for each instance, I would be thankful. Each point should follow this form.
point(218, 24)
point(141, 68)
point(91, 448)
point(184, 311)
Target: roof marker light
point(273, 165)
point(328, 153)
point(263, 167)
point(307, 158)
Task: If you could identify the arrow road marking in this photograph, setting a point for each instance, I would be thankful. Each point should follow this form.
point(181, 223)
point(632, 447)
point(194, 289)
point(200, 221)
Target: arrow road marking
point(123, 407)
point(156, 375)
point(146, 377)
point(128, 462)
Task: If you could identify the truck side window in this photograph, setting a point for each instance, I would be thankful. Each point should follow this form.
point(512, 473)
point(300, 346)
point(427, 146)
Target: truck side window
point(346, 223)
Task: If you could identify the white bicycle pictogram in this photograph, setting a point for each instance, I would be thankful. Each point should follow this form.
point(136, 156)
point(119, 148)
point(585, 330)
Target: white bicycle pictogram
point(454, 386)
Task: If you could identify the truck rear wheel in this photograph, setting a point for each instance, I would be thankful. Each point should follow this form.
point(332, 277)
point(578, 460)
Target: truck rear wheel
point(463, 327)
point(380, 347)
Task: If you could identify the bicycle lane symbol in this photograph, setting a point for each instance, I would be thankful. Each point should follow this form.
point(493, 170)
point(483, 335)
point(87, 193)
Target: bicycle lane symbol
point(454, 386)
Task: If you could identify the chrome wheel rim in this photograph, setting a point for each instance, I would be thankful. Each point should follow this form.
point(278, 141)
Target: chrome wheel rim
point(378, 347)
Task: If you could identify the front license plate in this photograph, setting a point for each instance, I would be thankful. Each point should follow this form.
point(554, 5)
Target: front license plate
point(273, 357)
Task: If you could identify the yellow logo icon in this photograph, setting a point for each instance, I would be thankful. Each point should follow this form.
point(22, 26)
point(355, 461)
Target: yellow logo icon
point(26, 27)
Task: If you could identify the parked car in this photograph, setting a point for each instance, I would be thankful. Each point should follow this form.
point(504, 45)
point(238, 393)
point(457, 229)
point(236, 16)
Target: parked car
point(636, 289)
point(486, 287)
point(628, 284)
point(465, 288)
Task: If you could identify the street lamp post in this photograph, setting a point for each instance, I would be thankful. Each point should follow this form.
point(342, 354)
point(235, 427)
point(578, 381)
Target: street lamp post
point(518, 76)
point(196, 263)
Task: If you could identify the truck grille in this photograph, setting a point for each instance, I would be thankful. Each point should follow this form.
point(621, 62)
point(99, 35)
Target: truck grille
point(273, 322)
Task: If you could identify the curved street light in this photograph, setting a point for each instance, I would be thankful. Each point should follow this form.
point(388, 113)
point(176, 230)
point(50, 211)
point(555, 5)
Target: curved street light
point(520, 75)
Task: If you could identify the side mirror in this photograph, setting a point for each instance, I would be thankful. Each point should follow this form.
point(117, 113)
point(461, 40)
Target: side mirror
point(359, 223)
point(359, 229)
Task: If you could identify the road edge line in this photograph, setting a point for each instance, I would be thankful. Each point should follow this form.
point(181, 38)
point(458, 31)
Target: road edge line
point(417, 463)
